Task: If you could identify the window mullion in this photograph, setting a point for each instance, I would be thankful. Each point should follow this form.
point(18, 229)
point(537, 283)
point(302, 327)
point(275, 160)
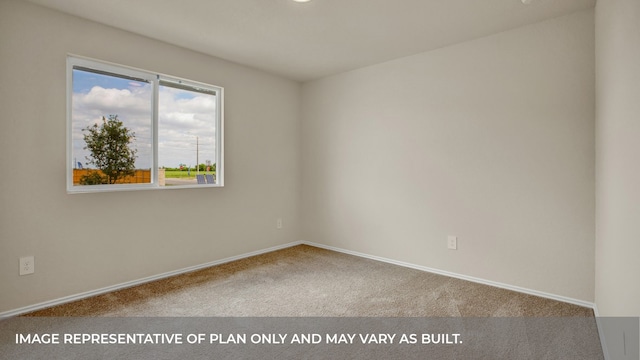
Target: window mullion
point(154, 132)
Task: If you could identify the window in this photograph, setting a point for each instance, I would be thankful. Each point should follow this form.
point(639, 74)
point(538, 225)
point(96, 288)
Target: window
point(131, 129)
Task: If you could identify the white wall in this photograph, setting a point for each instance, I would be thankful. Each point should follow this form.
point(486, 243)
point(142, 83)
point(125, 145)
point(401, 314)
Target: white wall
point(618, 157)
point(617, 288)
point(491, 140)
point(89, 241)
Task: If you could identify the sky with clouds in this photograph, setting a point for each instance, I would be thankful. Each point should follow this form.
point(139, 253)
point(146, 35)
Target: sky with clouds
point(184, 118)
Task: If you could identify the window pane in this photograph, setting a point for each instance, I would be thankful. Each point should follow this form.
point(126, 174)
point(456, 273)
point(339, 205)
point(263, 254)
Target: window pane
point(187, 134)
point(111, 128)
point(131, 129)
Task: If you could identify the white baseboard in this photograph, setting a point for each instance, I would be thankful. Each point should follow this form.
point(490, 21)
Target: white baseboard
point(132, 283)
point(128, 284)
point(459, 276)
point(519, 289)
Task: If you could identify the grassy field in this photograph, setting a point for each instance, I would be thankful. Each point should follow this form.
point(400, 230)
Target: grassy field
point(184, 174)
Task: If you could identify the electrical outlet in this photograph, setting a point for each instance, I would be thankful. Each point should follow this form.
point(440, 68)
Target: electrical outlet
point(27, 265)
point(452, 242)
point(279, 223)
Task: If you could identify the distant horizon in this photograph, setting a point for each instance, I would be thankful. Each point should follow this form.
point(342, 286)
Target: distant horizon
point(137, 168)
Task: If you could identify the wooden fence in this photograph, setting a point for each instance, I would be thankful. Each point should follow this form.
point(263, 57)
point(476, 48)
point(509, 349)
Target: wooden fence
point(139, 177)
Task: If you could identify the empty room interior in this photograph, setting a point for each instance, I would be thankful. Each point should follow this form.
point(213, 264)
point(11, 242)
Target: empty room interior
point(376, 131)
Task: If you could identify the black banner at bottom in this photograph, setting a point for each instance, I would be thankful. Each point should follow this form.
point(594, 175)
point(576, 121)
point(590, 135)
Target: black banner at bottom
point(300, 338)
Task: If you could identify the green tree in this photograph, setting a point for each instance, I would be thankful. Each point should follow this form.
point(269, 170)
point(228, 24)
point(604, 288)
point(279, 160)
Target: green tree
point(111, 147)
point(93, 178)
point(203, 167)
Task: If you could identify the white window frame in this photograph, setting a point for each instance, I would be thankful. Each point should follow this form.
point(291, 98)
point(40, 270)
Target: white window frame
point(154, 79)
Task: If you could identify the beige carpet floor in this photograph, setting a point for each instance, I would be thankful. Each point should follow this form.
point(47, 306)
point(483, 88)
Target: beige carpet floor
point(307, 290)
point(308, 281)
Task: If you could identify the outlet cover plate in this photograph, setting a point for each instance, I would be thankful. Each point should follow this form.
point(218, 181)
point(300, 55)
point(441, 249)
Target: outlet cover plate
point(27, 265)
point(452, 242)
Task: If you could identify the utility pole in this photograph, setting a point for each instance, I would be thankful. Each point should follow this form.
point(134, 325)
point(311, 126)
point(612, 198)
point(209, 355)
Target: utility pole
point(197, 157)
